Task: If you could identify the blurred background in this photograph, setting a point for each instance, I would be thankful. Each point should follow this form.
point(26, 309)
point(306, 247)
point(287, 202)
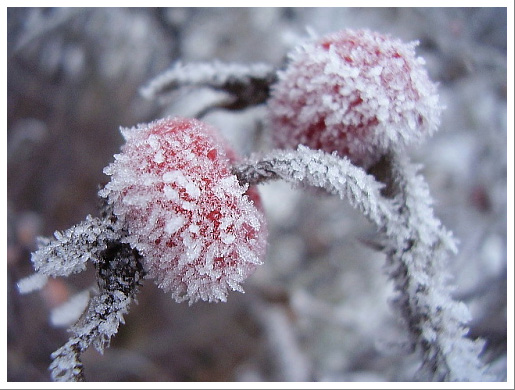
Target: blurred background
point(318, 309)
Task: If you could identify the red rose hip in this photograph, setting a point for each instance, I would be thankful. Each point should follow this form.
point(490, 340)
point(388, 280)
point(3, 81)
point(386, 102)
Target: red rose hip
point(356, 93)
point(199, 231)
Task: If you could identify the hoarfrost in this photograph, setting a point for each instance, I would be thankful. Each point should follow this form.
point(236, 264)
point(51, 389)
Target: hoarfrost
point(119, 273)
point(179, 179)
point(70, 250)
point(174, 224)
point(199, 234)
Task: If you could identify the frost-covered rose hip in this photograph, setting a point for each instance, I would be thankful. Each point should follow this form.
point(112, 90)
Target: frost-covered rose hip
point(358, 93)
point(199, 231)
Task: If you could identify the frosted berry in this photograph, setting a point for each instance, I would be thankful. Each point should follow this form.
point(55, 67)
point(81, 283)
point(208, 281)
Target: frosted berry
point(357, 93)
point(199, 231)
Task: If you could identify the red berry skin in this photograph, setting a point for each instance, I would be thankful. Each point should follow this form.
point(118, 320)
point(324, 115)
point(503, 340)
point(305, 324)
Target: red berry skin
point(199, 231)
point(357, 93)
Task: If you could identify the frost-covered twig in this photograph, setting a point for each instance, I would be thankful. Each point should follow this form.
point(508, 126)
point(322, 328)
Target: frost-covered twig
point(319, 169)
point(118, 273)
point(70, 250)
point(417, 246)
point(415, 242)
point(246, 85)
point(172, 210)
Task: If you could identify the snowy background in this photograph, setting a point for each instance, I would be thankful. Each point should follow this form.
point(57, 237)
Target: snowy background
point(318, 309)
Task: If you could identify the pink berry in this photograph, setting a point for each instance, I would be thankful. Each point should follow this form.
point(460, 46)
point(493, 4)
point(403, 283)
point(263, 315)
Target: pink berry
point(356, 93)
point(199, 231)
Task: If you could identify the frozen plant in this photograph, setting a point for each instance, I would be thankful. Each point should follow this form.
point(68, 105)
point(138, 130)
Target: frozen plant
point(182, 209)
point(173, 211)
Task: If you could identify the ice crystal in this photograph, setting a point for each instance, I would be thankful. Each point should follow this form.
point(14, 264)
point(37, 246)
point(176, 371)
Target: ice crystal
point(358, 93)
point(199, 231)
point(32, 283)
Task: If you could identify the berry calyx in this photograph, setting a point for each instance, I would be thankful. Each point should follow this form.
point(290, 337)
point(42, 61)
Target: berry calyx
point(200, 232)
point(356, 93)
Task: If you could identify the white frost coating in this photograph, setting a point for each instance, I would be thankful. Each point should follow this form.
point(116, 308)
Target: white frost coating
point(424, 296)
point(159, 157)
point(153, 142)
point(173, 176)
point(193, 216)
point(194, 229)
point(182, 181)
point(96, 327)
point(70, 250)
point(174, 224)
point(171, 193)
point(227, 238)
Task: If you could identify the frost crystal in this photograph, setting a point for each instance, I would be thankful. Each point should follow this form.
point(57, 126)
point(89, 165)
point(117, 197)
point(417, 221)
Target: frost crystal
point(199, 232)
point(358, 93)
